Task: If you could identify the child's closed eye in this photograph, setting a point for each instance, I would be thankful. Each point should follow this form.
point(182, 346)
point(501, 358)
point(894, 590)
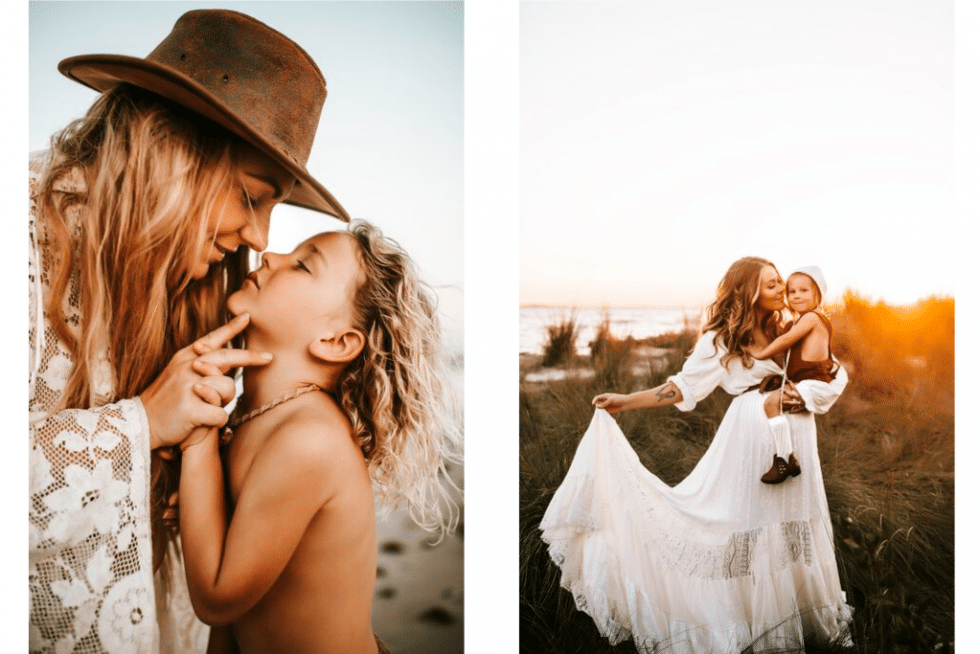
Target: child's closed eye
point(302, 266)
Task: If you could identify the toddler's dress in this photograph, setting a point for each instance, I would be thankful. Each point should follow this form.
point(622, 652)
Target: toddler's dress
point(720, 562)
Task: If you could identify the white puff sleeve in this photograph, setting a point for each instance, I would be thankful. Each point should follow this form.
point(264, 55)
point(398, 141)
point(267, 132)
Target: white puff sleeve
point(701, 373)
point(819, 396)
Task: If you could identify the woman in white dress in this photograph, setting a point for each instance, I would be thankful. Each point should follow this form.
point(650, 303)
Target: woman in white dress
point(141, 218)
point(721, 562)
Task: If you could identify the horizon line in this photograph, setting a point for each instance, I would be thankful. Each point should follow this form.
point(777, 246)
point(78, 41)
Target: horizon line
point(832, 302)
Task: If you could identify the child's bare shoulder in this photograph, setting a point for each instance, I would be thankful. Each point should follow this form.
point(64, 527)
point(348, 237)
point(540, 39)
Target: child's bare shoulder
point(315, 436)
point(809, 320)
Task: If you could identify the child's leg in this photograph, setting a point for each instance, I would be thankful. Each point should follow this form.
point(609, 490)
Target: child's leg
point(784, 464)
point(779, 426)
point(772, 409)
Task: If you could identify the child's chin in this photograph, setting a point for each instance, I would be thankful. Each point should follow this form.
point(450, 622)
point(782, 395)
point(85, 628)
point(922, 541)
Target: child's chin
point(235, 305)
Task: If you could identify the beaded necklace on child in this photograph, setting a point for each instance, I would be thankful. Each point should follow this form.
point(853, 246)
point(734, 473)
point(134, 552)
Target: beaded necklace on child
point(237, 421)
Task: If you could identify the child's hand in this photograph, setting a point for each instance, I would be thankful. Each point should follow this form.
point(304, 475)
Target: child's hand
point(173, 403)
point(611, 402)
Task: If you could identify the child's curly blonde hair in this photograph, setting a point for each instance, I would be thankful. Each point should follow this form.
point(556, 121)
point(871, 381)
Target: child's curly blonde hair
point(395, 393)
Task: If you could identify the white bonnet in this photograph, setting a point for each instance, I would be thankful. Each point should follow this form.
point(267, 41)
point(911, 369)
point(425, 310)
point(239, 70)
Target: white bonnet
point(814, 273)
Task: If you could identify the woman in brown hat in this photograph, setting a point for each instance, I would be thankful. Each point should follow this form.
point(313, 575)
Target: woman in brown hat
point(141, 217)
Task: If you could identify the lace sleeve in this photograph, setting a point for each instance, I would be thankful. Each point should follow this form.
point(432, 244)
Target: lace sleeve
point(701, 373)
point(90, 556)
point(91, 568)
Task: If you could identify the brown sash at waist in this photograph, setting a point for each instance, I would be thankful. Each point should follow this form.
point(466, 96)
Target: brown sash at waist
point(768, 383)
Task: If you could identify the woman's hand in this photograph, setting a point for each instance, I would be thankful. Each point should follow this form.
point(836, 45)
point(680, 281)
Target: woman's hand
point(611, 402)
point(792, 400)
point(193, 389)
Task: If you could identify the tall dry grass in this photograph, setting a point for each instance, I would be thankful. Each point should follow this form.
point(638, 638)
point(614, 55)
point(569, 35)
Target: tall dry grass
point(559, 348)
point(886, 453)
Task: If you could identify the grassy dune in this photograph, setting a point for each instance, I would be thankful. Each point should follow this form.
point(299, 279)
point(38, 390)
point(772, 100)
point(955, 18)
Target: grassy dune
point(886, 452)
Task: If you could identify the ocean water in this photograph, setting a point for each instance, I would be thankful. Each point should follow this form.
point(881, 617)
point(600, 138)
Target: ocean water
point(635, 322)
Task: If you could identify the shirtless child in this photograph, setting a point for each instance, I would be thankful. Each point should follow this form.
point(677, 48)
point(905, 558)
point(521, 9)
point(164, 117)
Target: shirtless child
point(352, 395)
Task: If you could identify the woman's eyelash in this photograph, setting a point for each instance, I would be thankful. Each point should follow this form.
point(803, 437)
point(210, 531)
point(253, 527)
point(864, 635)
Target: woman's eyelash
point(301, 265)
point(249, 200)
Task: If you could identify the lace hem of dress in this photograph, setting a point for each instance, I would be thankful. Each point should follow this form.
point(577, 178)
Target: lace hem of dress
point(719, 557)
point(622, 609)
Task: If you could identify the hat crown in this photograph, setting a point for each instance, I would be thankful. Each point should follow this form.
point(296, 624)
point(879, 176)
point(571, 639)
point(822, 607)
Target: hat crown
point(263, 76)
point(239, 73)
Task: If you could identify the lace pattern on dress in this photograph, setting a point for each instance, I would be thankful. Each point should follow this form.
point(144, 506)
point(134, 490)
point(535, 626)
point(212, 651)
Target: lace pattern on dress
point(90, 559)
point(617, 623)
point(731, 556)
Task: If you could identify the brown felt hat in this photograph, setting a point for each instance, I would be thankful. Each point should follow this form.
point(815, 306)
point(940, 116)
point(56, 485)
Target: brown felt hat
point(239, 73)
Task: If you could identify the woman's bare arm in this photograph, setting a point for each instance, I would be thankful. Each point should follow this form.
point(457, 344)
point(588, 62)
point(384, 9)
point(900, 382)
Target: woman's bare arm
point(652, 398)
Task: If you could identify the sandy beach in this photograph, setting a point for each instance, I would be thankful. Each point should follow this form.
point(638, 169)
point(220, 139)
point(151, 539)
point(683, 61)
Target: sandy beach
point(418, 598)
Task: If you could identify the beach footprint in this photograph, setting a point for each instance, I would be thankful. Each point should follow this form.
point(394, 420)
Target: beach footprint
point(392, 547)
point(437, 615)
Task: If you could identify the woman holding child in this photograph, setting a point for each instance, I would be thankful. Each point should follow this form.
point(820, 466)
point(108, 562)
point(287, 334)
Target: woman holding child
point(141, 218)
point(722, 562)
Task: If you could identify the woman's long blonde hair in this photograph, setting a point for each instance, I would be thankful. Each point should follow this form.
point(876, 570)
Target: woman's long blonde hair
point(732, 314)
point(152, 173)
point(395, 392)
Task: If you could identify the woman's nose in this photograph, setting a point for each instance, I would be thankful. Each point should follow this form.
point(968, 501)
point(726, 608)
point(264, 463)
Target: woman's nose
point(254, 238)
point(256, 234)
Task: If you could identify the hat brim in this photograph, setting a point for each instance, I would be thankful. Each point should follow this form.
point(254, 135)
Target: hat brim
point(102, 72)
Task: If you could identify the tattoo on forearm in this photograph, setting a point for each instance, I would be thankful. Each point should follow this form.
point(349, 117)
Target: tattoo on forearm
point(667, 391)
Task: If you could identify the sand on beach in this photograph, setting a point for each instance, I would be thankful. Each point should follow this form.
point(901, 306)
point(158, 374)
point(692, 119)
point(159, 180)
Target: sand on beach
point(418, 598)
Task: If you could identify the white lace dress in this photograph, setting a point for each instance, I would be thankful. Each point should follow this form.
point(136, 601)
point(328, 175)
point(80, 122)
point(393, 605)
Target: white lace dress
point(92, 586)
point(719, 563)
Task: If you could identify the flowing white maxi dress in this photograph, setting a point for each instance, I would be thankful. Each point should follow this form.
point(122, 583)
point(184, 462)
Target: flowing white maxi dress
point(719, 563)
